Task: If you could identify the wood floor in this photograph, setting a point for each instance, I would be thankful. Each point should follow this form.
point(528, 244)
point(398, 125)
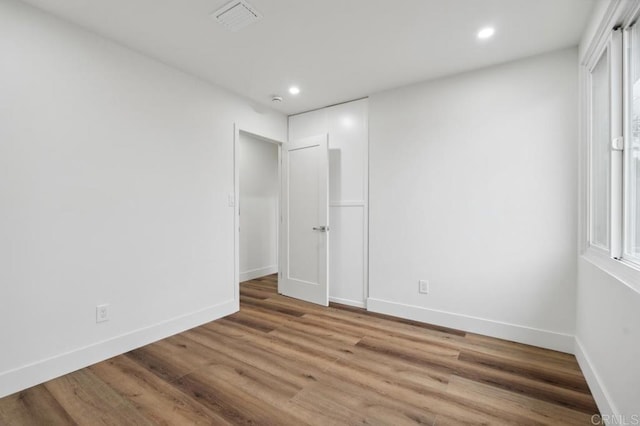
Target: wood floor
point(280, 361)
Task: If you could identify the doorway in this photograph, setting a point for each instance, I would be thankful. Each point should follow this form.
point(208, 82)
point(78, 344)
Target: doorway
point(258, 206)
point(281, 214)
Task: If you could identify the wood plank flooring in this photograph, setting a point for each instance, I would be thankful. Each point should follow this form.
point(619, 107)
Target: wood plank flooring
point(280, 361)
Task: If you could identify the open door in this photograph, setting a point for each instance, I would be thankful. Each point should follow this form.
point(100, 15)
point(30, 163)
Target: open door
point(304, 271)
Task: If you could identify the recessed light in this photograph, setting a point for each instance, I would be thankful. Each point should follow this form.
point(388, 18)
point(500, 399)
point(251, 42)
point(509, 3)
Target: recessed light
point(294, 90)
point(486, 33)
point(347, 122)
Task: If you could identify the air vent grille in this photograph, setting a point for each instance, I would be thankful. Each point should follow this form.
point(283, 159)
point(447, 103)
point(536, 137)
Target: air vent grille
point(237, 15)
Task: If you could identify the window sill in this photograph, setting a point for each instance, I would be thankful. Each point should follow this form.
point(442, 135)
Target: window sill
point(624, 271)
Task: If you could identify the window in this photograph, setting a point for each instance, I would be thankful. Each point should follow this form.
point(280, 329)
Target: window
point(613, 87)
point(610, 158)
point(605, 147)
point(599, 152)
point(632, 149)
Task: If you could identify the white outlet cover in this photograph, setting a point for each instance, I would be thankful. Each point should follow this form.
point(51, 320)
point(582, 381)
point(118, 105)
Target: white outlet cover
point(423, 286)
point(102, 313)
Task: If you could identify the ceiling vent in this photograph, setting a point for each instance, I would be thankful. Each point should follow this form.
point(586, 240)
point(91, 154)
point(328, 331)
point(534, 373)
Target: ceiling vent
point(237, 15)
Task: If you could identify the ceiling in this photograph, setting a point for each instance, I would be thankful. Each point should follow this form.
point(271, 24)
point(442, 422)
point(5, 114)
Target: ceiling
point(334, 50)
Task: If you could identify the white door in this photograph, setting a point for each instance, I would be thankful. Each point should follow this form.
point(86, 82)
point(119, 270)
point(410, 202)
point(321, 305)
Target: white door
point(304, 271)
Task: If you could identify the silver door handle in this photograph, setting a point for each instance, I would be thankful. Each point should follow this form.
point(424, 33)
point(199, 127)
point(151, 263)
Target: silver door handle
point(321, 228)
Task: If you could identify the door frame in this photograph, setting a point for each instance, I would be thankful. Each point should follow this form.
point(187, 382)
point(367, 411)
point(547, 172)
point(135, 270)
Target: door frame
point(237, 129)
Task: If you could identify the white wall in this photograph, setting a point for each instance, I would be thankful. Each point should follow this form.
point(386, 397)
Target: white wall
point(608, 340)
point(259, 197)
point(347, 126)
point(115, 172)
point(473, 187)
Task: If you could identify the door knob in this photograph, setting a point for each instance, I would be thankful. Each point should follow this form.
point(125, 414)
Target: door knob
point(321, 228)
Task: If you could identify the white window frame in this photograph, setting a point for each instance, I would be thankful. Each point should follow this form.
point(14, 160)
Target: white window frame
point(627, 226)
point(616, 210)
point(605, 50)
point(620, 15)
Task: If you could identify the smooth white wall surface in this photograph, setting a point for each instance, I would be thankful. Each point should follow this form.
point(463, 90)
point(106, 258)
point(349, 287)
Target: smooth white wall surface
point(347, 126)
point(259, 197)
point(115, 174)
point(473, 186)
point(608, 340)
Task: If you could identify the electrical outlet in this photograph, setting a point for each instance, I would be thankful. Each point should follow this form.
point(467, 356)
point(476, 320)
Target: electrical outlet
point(102, 313)
point(423, 286)
point(231, 198)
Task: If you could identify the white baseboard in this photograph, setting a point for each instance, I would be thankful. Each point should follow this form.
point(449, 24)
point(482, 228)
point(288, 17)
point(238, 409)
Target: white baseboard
point(517, 333)
point(33, 374)
point(599, 392)
point(257, 273)
point(356, 303)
